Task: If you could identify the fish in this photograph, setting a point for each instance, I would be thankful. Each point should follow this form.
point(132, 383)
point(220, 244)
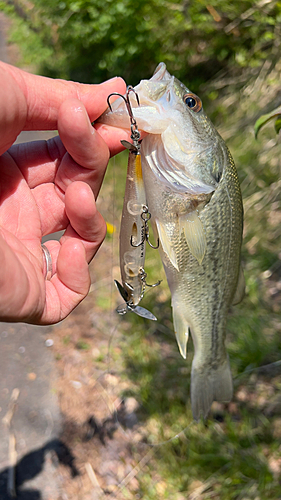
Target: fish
point(194, 197)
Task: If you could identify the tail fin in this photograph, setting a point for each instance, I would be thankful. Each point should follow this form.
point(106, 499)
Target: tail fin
point(208, 385)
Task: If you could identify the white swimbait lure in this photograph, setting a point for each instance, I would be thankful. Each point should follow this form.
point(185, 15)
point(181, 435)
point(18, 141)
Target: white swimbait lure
point(134, 232)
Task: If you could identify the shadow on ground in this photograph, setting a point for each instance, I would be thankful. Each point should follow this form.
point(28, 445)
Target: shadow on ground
point(42, 461)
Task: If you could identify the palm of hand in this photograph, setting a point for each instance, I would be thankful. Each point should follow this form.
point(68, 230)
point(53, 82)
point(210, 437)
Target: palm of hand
point(36, 200)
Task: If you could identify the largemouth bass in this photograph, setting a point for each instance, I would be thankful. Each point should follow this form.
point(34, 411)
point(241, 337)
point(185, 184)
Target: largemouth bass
point(194, 197)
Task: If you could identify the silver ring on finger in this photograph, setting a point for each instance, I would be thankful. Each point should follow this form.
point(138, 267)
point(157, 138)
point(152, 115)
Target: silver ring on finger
point(48, 262)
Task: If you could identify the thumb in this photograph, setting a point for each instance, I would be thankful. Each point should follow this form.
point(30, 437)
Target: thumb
point(13, 109)
point(32, 102)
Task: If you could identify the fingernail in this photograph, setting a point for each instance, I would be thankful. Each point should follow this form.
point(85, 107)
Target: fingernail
point(78, 109)
point(111, 79)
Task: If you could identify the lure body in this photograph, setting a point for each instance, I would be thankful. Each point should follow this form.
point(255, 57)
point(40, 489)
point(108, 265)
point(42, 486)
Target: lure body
point(132, 257)
point(133, 233)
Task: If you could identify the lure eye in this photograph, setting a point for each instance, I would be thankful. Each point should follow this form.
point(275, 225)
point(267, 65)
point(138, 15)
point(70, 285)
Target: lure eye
point(193, 102)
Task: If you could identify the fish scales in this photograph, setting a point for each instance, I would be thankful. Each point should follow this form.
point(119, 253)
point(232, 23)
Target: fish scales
point(194, 197)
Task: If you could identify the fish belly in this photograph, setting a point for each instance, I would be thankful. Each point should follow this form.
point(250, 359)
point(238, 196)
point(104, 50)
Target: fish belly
point(202, 292)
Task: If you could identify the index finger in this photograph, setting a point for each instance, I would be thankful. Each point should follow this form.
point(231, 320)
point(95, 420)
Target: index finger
point(112, 137)
point(44, 96)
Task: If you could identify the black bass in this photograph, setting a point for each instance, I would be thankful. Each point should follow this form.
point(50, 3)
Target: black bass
point(193, 193)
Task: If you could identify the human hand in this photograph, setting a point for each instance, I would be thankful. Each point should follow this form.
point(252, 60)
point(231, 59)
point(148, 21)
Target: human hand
point(50, 186)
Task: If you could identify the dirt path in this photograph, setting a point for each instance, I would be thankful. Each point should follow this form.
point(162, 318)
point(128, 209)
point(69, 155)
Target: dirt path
point(30, 427)
point(64, 431)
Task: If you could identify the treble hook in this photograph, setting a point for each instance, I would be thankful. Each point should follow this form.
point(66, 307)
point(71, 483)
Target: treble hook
point(146, 216)
point(143, 276)
point(135, 135)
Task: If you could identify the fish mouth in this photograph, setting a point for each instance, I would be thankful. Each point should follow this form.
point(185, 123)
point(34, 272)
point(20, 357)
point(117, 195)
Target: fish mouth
point(160, 72)
point(155, 95)
point(160, 112)
point(152, 115)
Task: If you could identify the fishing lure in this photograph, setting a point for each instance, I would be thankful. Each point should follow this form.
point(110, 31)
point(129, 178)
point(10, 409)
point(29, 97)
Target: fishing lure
point(134, 231)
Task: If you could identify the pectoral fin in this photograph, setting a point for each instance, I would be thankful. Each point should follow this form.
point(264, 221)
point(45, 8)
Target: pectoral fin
point(181, 328)
point(240, 290)
point(166, 243)
point(194, 234)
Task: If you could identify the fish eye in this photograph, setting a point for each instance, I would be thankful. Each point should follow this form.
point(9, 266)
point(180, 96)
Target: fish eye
point(193, 102)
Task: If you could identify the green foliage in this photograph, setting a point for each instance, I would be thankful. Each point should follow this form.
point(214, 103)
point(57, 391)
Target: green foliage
point(92, 40)
point(274, 115)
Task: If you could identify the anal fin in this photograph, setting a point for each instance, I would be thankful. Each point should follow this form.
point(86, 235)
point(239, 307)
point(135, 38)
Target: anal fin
point(181, 328)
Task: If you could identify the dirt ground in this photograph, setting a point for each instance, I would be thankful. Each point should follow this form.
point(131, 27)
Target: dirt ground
point(101, 429)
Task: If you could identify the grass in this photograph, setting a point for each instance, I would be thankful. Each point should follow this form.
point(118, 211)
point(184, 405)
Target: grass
point(236, 454)
point(82, 345)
